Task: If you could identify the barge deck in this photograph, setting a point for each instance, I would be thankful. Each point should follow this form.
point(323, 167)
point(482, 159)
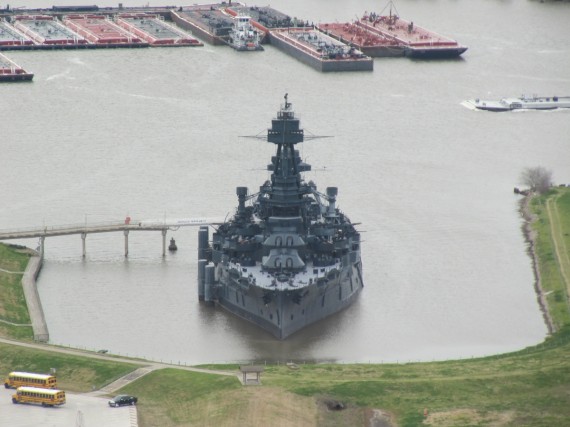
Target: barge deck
point(320, 51)
point(10, 36)
point(419, 42)
point(207, 22)
point(100, 30)
point(156, 32)
point(370, 43)
point(47, 30)
point(12, 72)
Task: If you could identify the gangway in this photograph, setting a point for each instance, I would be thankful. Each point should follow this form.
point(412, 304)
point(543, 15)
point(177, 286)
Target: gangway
point(126, 226)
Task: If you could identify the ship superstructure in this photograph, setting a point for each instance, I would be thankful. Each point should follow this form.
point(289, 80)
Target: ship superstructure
point(244, 36)
point(288, 257)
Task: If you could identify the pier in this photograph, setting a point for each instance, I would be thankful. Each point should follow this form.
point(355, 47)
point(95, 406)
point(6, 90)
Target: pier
point(125, 227)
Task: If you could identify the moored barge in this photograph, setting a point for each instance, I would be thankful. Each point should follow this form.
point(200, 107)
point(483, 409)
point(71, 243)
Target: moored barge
point(12, 72)
point(153, 29)
point(47, 30)
point(372, 44)
point(11, 38)
point(417, 42)
point(207, 22)
point(320, 51)
point(101, 31)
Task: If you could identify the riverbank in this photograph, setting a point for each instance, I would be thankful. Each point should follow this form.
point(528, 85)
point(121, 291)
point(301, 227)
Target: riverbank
point(528, 387)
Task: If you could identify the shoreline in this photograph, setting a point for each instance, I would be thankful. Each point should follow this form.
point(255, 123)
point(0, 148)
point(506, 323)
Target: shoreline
point(530, 238)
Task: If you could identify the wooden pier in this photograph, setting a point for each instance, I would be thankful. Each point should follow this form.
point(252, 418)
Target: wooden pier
point(125, 226)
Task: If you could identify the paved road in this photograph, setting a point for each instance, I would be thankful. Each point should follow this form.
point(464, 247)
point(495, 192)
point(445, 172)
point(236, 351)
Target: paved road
point(80, 410)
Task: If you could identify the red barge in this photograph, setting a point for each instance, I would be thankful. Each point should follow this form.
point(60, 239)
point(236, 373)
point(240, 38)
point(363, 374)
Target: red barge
point(153, 29)
point(46, 30)
point(101, 31)
point(389, 35)
point(12, 72)
point(11, 38)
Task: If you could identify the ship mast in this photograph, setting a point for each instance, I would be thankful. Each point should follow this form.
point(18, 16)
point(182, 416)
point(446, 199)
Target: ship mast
point(284, 196)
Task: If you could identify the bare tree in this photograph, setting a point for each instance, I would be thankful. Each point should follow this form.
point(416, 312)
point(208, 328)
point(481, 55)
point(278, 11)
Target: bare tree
point(538, 179)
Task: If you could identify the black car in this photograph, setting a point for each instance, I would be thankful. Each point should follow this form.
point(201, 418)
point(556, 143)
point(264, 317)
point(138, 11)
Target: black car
point(122, 399)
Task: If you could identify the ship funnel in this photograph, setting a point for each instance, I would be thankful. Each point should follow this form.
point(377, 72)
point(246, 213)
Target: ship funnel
point(241, 193)
point(331, 195)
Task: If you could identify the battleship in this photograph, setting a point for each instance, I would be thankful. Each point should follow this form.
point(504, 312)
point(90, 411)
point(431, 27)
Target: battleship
point(288, 257)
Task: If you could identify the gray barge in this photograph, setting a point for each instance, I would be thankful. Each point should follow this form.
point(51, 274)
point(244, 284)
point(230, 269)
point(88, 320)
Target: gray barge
point(288, 257)
point(320, 51)
point(207, 22)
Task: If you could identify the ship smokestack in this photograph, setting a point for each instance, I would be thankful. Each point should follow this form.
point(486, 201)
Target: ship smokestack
point(331, 194)
point(241, 193)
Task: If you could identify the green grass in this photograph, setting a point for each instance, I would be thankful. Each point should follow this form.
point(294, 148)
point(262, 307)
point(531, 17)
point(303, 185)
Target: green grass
point(74, 373)
point(13, 307)
point(530, 387)
point(549, 266)
point(177, 395)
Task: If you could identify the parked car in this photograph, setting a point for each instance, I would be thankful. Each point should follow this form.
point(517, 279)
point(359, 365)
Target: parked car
point(122, 399)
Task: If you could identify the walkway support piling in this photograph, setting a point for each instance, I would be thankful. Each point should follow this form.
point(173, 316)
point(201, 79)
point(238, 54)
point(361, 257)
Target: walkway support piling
point(163, 242)
point(83, 237)
point(126, 243)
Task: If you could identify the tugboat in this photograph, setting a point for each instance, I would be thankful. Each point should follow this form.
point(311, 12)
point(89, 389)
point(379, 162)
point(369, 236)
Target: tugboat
point(288, 257)
point(244, 36)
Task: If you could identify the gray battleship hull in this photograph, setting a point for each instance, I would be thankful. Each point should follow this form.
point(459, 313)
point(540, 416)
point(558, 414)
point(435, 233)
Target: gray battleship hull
point(282, 316)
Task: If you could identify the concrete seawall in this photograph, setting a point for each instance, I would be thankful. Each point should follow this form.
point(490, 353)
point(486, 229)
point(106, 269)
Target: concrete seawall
point(33, 302)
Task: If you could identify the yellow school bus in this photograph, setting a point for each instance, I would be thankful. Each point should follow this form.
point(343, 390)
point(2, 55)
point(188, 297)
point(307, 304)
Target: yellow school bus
point(28, 379)
point(46, 397)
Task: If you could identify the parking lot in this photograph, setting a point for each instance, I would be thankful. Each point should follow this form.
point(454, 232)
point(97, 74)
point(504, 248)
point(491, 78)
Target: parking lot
point(80, 410)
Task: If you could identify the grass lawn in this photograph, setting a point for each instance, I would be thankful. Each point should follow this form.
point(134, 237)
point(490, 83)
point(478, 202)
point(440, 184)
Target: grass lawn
point(13, 309)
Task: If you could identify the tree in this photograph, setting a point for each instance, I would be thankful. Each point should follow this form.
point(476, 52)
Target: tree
point(538, 179)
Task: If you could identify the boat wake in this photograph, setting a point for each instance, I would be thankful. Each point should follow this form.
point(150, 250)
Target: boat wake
point(469, 105)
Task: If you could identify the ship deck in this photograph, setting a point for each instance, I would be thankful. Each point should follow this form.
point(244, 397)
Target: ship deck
point(46, 30)
point(265, 280)
point(155, 31)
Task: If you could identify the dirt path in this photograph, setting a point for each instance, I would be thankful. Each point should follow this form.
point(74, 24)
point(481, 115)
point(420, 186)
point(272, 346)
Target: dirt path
point(559, 245)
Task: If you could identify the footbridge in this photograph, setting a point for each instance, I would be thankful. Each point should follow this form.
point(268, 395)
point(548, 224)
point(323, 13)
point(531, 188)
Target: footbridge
point(125, 226)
